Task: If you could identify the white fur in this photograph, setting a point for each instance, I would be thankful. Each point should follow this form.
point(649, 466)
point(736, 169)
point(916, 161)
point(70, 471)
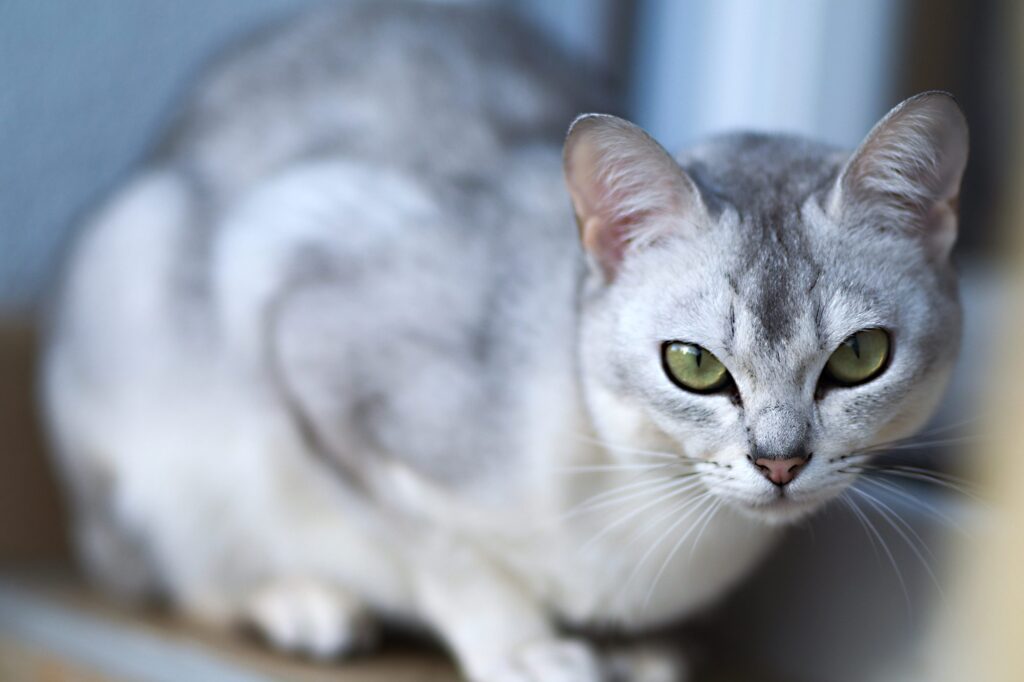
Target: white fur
point(176, 382)
point(241, 520)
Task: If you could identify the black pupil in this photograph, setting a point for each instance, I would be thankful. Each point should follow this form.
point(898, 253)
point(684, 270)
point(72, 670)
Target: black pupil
point(854, 344)
point(699, 353)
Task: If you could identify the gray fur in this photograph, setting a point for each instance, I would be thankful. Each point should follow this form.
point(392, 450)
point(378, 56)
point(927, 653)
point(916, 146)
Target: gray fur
point(765, 180)
point(357, 250)
point(784, 262)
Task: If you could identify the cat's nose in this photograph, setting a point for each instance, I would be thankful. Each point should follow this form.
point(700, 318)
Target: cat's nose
point(780, 471)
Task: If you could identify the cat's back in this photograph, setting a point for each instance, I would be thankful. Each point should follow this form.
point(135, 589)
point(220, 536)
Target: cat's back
point(370, 173)
point(432, 87)
point(364, 137)
point(437, 98)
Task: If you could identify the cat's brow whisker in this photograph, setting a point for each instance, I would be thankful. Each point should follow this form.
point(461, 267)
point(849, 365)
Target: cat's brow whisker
point(895, 521)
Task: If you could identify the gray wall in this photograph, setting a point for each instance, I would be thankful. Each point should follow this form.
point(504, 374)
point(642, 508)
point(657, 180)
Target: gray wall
point(84, 87)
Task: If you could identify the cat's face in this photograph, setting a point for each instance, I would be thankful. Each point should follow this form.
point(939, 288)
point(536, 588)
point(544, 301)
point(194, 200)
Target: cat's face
point(787, 310)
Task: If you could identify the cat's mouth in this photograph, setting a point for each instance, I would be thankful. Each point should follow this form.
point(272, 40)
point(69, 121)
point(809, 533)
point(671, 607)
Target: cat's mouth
point(780, 507)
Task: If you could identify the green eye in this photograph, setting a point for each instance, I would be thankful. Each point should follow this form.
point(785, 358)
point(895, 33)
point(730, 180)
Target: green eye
point(860, 357)
point(694, 368)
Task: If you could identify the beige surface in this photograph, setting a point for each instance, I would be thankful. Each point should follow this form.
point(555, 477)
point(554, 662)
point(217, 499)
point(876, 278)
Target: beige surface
point(20, 663)
point(57, 619)
point(981, 631)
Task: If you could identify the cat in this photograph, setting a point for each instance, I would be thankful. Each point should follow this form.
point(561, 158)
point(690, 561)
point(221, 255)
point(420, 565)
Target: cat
point(363, 342)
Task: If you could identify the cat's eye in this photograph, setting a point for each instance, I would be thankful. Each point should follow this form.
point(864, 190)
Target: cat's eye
point(693, 367)
point(859, 358)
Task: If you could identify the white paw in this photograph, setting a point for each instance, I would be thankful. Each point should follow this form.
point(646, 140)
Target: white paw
point(311, 618)
point(646, 664)
point(550, 661)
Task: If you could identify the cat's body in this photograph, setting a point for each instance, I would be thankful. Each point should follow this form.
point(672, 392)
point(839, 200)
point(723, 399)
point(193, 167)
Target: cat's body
point(338, 351)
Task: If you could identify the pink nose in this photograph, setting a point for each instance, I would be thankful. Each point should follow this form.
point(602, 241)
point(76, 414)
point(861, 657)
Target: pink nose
point(780, 471)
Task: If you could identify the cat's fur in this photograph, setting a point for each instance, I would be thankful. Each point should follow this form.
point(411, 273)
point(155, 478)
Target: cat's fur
point(337, 351)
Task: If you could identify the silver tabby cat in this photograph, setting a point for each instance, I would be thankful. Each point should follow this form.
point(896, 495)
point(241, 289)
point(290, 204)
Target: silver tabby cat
point(340, 354)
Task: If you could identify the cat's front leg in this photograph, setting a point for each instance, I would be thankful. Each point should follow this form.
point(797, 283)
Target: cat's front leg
point(310, 617)
point(647, 662)
point(496, 629)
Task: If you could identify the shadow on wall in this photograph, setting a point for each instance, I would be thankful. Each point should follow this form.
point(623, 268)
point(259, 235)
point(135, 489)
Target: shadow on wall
point(32, 523)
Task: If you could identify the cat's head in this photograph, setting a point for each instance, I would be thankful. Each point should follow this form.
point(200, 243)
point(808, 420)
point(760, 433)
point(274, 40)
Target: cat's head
point(768, 306)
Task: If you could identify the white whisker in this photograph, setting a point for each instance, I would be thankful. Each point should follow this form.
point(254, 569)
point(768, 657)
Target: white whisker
point(891, 517)
point(922, 475)
point(599, 468)
point(625, 493)
point(675, 549)
point(930, 508)
point(920, 445)
point(681, 488)
point(848, 501)
point(949, 427)
point(635, 451)
point(689, 506)
point(707, 522)
point(885, 548)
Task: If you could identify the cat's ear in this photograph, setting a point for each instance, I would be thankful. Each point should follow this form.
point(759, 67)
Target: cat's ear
point(907, 171)
point(626, 189)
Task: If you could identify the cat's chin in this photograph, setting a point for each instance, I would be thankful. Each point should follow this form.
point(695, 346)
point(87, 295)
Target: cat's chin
point(778, 511)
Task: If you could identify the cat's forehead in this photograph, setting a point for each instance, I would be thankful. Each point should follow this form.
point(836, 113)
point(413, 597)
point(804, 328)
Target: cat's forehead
point(791, 280)
point(771, 270)
point(759, 174)
point(782, 261)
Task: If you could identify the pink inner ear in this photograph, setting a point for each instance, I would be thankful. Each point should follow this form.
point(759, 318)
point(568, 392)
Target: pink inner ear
point(909, 167)
point(603, 221)
point(617, 202)
point(606, 242)
point(621, 181)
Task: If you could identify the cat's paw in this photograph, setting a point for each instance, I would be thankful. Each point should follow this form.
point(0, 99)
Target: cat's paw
point(560, 660)
point(646, 663)
point(310, 618)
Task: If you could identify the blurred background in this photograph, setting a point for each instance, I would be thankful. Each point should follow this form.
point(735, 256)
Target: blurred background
point(86, 89)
